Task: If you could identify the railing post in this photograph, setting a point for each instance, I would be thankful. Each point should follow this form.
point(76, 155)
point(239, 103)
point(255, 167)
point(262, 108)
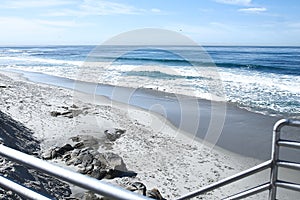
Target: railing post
point(275, 157)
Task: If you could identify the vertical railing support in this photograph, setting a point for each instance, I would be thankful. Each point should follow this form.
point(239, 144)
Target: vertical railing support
point(275, 157)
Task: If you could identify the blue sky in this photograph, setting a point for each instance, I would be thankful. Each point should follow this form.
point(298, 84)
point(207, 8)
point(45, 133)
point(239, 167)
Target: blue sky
point(208, 22)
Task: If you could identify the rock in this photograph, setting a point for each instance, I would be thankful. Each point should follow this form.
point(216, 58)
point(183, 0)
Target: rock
point(140, 188)
point(57, 152)
point(97, 162)
point(78, 145)
point(95, 174)
point(77, 162)
point(74, 106)
point(3, 86)
point(74, 113)
point(67, 113)
point(111, 174)
point(86, 141)
point(67, 157)
point(137, 187)
point(50, 154)
point(70, 113)
point(87, 159)
point(98, 165)
point(115, 165)
point(65, 107)
point(62, 150)
point(101, 159)
point(98, 173)
point(66, 147)
point(54, 153)
point(92, 196)
point(47, 155)
point(82, 170)
point(75, 138)
point(55, 113)
point(114, 134)
point(75, 153)
point(102, 173)
point(154, 194)
point(114, 161)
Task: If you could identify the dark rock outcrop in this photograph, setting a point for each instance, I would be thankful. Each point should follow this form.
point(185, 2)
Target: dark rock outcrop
point(15, 135)
point(88, 160)
point(70, 112)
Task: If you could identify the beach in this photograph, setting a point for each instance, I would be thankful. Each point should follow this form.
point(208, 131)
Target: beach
point(165, 159)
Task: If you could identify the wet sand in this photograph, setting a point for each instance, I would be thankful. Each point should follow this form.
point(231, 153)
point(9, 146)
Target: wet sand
point(244, 132)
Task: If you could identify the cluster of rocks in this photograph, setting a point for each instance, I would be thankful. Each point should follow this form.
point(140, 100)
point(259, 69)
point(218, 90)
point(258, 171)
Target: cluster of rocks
point(113, 134)
point(15, 135)
point(69, 112)
point(89, 161)
point(140, 188)
point(82, 153)
point(3, 86)
point(36, 181)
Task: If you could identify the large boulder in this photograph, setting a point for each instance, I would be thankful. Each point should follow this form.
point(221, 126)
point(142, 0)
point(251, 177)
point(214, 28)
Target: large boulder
point(88, 160)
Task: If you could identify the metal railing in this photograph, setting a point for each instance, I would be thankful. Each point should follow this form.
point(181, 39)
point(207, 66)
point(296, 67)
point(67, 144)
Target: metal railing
point(75, 178)
point(115, 192)
point(272, 164)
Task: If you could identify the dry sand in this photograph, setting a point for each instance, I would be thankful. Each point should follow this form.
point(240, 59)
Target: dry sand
point(162, 156)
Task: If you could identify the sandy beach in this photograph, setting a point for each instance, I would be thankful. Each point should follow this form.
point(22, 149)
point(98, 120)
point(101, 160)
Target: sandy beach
point(150, 149)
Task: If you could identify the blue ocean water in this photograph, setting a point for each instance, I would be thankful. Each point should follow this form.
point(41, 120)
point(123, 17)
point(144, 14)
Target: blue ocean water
point(260, 79)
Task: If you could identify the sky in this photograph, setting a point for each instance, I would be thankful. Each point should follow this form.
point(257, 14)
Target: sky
point(207, 22)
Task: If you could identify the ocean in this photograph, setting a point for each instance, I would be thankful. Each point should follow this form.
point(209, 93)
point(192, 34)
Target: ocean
point(260, 79)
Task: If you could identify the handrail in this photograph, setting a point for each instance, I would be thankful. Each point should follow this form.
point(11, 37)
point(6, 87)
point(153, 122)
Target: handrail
point(250, 192)
point(273, 163)
point(288, 164)
point(226, 181)
point(287, 143)
point(275, 151)
point(288, 185)
point(21, 190)
point(78, 179)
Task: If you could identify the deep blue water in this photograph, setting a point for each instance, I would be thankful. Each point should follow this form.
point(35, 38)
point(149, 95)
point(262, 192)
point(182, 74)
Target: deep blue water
point(261, 79)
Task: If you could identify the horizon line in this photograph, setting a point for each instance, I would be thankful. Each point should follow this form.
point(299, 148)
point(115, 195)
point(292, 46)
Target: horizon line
point(206, 45)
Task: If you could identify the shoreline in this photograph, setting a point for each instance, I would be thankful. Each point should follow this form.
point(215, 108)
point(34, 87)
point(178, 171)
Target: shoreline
point(254, 141)
point(165, 158)
point(34, 76)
